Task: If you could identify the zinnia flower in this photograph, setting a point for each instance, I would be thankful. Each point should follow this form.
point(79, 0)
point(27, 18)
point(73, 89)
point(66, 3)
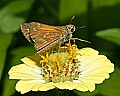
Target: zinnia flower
point(71, 68)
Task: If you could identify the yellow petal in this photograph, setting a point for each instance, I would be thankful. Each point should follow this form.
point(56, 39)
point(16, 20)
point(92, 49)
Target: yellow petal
point(66, 85)
point(88, 51)
point(100, 63)
point(33, 61)
point(23, 71)
point(85, 86)
point(42, 87)
point(24, 86)
point(46, 87)
point(94, 68)
point(96, 79)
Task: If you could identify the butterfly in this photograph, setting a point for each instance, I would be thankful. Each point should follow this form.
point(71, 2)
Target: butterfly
point(45, 37)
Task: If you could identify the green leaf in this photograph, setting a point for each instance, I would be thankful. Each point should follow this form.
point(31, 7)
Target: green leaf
point(103, 3)
point(4, 44)
point(69, 8)
point(11, 24)
point(10, 21)
point(17, 6)
point(111, 87)
point(17, 54)
point(112, 35)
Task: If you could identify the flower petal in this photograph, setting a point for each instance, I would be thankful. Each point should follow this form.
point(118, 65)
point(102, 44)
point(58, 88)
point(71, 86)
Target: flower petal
point(32, 61)
point(66, 85)
point(86, 87)
point(46, 87)
point(88, 51)
point(24, 86)
point(94, 68)
point(23, 71)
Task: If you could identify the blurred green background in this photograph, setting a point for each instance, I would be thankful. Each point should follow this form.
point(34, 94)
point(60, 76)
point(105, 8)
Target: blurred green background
point(102, 21)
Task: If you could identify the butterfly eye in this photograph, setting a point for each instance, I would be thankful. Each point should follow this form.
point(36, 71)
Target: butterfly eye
point(72, 29)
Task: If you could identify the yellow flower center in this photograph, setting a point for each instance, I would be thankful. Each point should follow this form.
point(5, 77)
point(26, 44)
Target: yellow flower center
point(61, 66)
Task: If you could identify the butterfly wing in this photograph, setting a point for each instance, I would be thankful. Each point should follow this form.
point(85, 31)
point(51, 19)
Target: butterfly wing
point(43, 36)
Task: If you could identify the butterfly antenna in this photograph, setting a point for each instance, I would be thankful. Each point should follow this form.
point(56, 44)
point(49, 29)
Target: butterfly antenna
point(81, 27)
point(72, 19)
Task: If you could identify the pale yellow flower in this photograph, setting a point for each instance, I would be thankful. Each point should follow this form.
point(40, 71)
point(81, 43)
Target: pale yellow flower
point(70, 69)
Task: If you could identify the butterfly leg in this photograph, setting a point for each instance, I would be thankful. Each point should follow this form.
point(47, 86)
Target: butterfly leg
point(59, 47)
point(80, 40)
point(74, 41)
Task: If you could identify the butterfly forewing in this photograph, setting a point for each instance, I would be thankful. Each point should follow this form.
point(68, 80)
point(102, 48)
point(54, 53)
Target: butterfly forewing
point(43, 36)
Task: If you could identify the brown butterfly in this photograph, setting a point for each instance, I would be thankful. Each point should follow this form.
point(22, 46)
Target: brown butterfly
point(45, 36)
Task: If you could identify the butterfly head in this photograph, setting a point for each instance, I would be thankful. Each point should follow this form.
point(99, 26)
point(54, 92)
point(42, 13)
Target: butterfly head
point(70, 28)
